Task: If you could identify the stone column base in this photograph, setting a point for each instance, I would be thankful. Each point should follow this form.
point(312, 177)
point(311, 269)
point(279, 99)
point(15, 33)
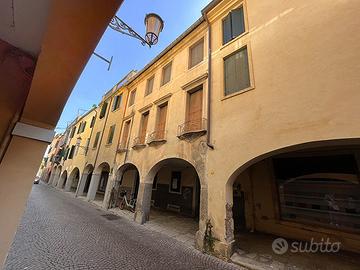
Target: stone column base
point(222, 250)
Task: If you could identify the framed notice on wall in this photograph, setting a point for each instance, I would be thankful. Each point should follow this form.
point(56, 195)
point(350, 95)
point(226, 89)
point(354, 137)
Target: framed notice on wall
point(175, 182)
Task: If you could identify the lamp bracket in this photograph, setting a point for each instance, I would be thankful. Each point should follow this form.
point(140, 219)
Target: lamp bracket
point(120, 26)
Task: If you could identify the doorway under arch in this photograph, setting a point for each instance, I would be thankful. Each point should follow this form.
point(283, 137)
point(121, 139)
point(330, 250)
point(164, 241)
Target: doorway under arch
point(127, 183)
point(299, 194)
point(63, 179)
point(98, 184)
point(73, 181)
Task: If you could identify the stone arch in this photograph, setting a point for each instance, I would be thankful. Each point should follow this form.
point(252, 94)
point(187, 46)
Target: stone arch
point(174, 170)
point(57, 176)
point(127, 179)
point(99, 181)
point(52, 175)
point(63, 179)
point(265, 199)
point(73, 181)
point(85, 180)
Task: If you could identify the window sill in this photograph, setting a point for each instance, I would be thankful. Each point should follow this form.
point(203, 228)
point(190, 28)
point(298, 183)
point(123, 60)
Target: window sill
point(192, 133)
point(238, 93)
point(234, 40)
point(156, 142)
point(196, 65)
point(139, 146)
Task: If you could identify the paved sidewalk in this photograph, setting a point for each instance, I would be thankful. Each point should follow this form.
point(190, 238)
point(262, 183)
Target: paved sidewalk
point(61, 232)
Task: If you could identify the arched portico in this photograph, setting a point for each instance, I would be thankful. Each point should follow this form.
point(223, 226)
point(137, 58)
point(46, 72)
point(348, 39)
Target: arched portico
point(52, 175)
point(56, 176)
point(62, 181)
point(99, 182)
point(172, 185)
point(73, 181)
point(85, 180)
point(301, 192)
point(127, 181)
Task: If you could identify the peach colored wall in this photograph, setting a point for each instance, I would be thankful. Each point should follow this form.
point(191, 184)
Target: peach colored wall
point(304, 58)
point(17, 172)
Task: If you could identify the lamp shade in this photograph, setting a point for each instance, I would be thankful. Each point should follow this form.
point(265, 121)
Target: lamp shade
point(154, 25)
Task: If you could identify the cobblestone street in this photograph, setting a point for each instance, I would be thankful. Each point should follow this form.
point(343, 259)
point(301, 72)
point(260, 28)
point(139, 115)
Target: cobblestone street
point(60, 232)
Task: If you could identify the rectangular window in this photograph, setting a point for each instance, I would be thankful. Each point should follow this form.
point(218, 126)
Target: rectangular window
point(233, 24)
point(196, 53)
point(72, 151)
point(79, 129)
point(125, 134)
point(116, 102)
point(111, 134)
point(132, 97)
point(175, 183)
point(194, 110)
point(103, 110)
point(143, 127)
point(96, 141)
point(72, 132)
point(87, 146)
point(83, 126)
point(161, 121)
point(166, 74)
point(237, 76)
point(149, 86)
point(92, 122)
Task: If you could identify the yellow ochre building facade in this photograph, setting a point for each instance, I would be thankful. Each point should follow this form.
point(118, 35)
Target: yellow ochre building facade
point(246, 122)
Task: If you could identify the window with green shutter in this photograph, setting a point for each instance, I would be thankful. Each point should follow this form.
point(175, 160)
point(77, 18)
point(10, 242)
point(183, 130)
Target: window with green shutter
point(103, 110)
point(116, 102)
point(96, 141)
point(111, 134)
point(233, 24)
point(236, 72)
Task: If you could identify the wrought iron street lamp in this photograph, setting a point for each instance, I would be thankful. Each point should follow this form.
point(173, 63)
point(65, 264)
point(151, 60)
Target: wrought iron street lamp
point(153, 23)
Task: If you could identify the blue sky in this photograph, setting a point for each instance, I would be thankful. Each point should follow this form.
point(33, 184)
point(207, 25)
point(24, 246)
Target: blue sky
point(127, 52)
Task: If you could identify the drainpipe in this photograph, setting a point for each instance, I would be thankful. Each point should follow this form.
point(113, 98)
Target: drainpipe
point(208, 137)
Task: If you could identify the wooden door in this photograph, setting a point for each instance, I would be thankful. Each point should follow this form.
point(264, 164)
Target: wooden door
point(194, 115)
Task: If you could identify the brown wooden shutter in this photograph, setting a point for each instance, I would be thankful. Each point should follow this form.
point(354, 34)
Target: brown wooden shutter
point(194, 116)
point(125, 134)
point(161, 122)
point(144, 122)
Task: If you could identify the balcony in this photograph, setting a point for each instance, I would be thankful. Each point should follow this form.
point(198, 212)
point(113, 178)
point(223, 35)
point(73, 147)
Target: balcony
point(156, 137)
point(192, 128)
point(139, 142)
point(122, 148)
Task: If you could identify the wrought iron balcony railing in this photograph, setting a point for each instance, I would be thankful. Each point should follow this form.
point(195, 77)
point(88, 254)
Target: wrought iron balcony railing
point(157, 136)
point(197, 126)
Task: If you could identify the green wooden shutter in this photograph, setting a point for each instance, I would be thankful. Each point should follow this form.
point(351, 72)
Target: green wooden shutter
point(227, 36)
point(237, 22)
